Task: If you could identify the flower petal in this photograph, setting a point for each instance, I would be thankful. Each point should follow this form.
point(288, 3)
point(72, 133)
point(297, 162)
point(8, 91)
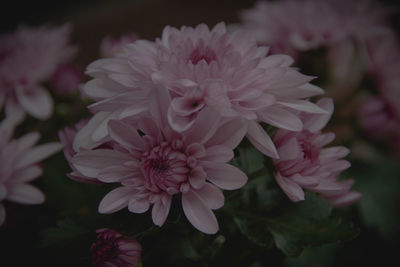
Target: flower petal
point(24, 194)
point(198, 213)
point(261, 140)
point(204, 126)
point(37, 102)
point(291, 189)
point(116, 199)
point(83, 137)
point(281, 118)
point(224, 175)
point(315, 122)
point(91, 162)
point(27, 174)
point(160, 211)
point(125, 134)
point(138, 205)
point(218, 154)
point(115, 174)
point(229, 133)
point(38, 153)
point(211, 195)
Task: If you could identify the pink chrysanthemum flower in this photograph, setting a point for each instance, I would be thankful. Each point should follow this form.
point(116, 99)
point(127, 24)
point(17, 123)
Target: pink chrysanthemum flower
point(203, 68)
point(110, 46)
point(378, 118)
point(153, 163)
point(380, 114)
point(290, 26)
point(19, 164)
point(305, 164)
point(112, 249)
point(29, 57)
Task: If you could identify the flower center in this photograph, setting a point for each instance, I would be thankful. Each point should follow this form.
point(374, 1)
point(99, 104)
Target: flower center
point(202, 53)
point(311, 152)
point(164, 168)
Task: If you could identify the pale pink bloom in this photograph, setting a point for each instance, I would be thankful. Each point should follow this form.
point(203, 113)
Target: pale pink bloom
point(380, 114)
point(153, 163)
point(67, 136)
point(291, 26)
point(19, 164)
point(304, 163)
point(378, 118)
point(383, 51)
point(110, 46)
point(66, 79)
point(28, 58)
point(203, 68)
point(112, 249)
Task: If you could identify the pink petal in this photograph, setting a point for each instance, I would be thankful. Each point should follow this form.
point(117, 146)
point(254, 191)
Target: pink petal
point(160, 211)
point(224, 175)
point(138, 205)
point(289, 150)
point(336, 166)
point(27, 141)
point(276, 60)
point(116, 200)
point(305, 181)
point(27, 174)
point(218, 154)
point(331, 153)
point(197, 177)
point(281, 118)
point(37, 102)
point(38, 153)
point(101, 131)
point(261, 140)
point(211, 195)
point(204, 126)
point(328, 188)
point(25, 194)
point(345, 200)
point(315, 122)
point(303, 105)
point(179, 123)
point(115, 174)
point(84, 138)
point(183, 106)
point(198, 213)
point(91, 162)
point(14, 113)
point(229, 133)
point(159, 104)
point(125, 134)
point(291, 189)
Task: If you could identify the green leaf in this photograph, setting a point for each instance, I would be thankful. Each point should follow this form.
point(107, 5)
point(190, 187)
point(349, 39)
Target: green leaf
point(294, 226)
point(379, 183)
point(66, 232)
point(249, 159)
point(293, 239)
point(255, 231)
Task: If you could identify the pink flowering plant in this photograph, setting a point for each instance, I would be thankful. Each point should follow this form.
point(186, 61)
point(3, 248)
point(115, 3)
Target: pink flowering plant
point(262, 142)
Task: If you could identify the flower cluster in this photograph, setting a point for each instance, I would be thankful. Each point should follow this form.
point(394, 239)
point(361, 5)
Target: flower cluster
point(207, 124)
point(168, 115)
